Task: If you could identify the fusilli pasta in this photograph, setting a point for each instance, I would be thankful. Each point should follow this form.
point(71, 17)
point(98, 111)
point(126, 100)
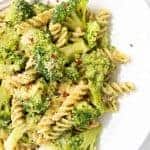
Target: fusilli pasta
point(78, 33)
point(55, 30)
point(63, 38)
point(103, 18)
point(25, 78)
point(37, 21)
point(90, 15)
point(116, 56)
point(71, 100)
point(116, 89)
point(17, 115)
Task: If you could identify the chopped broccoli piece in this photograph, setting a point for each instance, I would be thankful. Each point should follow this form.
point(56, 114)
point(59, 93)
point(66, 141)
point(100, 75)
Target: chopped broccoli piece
point(31, 38)
point(96, 66)
point(20, 10)
point(83, 113)
point(78, 47)
point(72, 13)
point(85, 140)
point(72, 73)
point(50, 63)
point(63, 10)
point(12, 58)
point(9, 39)
point(38, 103)
point(39, 7)
point(92, 33)
point(5, 108)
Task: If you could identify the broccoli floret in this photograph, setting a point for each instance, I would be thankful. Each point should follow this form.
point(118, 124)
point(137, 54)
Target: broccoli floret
point(40, 7)
point(78, 47)
point(96, 66)
point(20, 10)
point(5, 108)
point(72, 13)
point(12, 58)
point(92, 33)
point(85, 140)
point(72, 73)
point(31, 38)
point(83, 113)
point(9, 39)
point(49, 63)
point(38, 103)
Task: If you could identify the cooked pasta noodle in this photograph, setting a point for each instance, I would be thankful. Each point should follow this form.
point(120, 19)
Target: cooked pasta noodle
point(103, 18)
point(116, 56)
point(90, 15)
point(55, 30)
point(61, 126)
point(17, 115)
point(78, 33)
point(37, 21)
point(71, 101)
point(116, 89)
point(63, 38)
point(25, 78)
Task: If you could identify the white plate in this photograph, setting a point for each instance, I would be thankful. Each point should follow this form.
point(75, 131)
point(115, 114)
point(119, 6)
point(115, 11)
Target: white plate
point(127, 129)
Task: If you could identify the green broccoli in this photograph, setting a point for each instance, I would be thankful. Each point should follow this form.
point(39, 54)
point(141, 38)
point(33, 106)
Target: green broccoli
point(92, 33)
point(72, 13)
point(38, 103)
point(78, 47)
point(85, 140)
point(5, 108)
point(96, 66)
point(49, 63)
point(13, 58)
point(83, 113)
point(33, 37)
point(72, 73)
point(20, 10)
point(9, 39)
point(40, 7)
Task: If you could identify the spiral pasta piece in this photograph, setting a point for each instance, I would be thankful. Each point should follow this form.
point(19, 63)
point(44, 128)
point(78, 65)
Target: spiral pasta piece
point(46, 121)
point(116, 56)
point(63, 38)
point(37, 21)
point(71, 101)
point(17, 115)
point(78, 33)
point(103, 18)
point(116, 89)
point(25, 78)
point(55, 30)
point(61, 126)
point(90, 15)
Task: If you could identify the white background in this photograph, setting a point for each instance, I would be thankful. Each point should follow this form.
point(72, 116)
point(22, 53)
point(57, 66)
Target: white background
point(127, 129)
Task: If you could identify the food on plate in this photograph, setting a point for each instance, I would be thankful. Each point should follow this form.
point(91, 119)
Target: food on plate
point(56, 75)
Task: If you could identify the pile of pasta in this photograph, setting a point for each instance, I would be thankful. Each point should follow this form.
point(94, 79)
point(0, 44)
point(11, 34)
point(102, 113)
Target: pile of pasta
point(33, 121)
